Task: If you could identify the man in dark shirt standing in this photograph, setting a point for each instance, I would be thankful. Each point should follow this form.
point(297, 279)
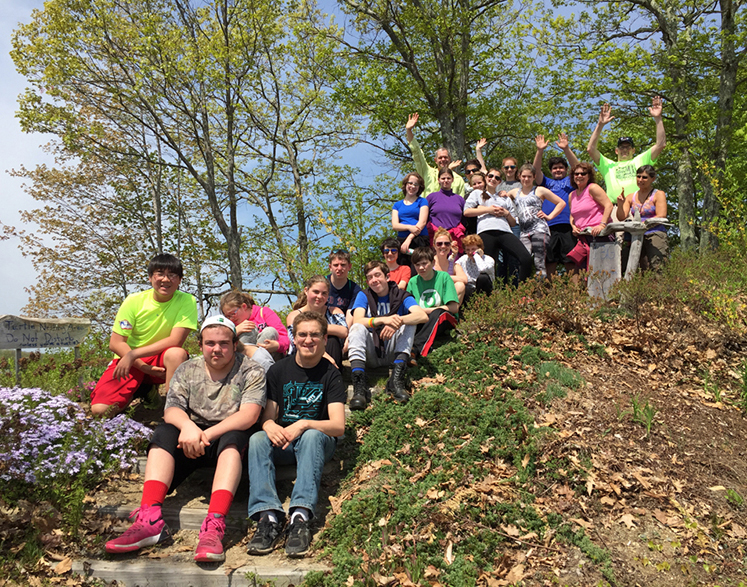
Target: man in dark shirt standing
point(304, 415)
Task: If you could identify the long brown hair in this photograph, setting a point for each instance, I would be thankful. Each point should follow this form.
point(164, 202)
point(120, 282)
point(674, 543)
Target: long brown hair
point(302, 299)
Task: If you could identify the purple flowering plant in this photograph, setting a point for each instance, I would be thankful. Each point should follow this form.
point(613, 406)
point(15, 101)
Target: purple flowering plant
point(48, 443)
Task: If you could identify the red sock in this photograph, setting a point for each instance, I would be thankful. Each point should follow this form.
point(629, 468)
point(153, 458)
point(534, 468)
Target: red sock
point(220, 502)
point(154, 492)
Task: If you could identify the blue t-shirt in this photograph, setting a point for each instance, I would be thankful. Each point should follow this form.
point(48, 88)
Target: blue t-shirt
point(361, 301)
point(561, 188)
point(342, 298)
point(410, 215)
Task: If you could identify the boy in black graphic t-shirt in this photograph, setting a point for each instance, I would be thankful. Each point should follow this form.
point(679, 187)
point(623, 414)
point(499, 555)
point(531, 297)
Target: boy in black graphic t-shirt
point(305, 413)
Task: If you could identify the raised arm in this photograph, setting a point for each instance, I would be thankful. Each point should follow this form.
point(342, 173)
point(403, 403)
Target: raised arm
point(605, 116)
point(478, 153)
point(661, 136)
point(541, 143)
point(412, 120)
point(564, 146)
point(623, 205)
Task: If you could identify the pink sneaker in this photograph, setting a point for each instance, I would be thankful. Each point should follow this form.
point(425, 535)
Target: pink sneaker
point(210, 545)
point(148, 529)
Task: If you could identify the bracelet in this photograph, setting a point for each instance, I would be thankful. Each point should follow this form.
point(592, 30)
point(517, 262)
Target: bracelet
point(371, 322)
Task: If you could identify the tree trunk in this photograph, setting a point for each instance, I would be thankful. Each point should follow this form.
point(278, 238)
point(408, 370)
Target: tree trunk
point(727, 84)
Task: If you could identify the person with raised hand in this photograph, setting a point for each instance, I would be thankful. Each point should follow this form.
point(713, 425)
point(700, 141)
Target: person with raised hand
point(562, 240)
point(620, 176)
point(442, 159)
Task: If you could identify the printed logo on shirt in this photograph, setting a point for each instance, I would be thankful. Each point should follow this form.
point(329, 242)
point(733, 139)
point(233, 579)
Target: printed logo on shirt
point(624, 172)
point(302, 401)
point(125, 325)
point(430, 298)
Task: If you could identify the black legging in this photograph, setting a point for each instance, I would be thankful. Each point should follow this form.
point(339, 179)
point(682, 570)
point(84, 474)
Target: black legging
point(334, 350)
point(499, 240)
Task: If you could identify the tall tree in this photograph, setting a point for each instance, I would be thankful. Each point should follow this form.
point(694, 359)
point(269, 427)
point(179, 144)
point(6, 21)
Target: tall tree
point(457, 63)
point(215, 89)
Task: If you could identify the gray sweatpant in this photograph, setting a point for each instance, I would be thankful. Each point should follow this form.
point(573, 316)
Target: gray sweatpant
point(361, 345)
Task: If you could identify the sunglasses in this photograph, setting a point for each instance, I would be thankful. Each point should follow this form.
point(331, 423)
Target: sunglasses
point(494, 176)
point(388, 251)
point(472, 170)
point(443, 244)
point(415, 183)
point(580, 173)
point(509, 167)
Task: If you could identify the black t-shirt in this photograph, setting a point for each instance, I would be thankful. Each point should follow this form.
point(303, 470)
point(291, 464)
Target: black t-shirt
point(304, 394)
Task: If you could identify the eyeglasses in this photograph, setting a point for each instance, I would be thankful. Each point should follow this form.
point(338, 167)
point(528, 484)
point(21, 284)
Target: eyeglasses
point(476, 169)
point(494, 176)
point(232, 314)
point(165, 275)
point(443, 244)
point(643, 176)
point(311, 335)
point(509, 167)
point(388, 251)
point(580, 173)
point(415, 183)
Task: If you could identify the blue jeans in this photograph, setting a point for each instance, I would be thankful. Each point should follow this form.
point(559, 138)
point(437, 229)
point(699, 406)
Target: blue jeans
point(308, 452)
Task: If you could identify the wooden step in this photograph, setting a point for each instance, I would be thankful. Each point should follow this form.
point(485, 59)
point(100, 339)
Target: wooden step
point(282, 473)
point(164, 573)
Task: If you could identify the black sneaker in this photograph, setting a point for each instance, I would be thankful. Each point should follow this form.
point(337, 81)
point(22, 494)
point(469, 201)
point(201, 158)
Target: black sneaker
point(266, 537)
point(299, 538)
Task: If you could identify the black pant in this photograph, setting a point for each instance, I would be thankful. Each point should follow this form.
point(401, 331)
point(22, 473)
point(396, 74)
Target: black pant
point(498, 240)
point(438, 321)
point(483, 284)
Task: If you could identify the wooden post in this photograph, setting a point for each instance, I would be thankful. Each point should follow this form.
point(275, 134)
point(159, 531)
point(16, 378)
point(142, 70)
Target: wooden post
point(18, 367)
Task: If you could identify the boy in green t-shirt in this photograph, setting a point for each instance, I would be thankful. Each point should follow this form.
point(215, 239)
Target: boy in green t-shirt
point(148, 334)
point(435, 293)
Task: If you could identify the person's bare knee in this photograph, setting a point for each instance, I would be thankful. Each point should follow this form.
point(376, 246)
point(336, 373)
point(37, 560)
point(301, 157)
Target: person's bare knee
point(174, 356)
point(105, 410)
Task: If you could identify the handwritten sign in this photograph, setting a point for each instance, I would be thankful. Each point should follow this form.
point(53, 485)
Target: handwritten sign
point(604, 268)
point(17, 332)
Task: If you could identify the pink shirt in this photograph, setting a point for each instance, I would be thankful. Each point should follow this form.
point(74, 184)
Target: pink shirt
point(585, 210)
point(263, 317)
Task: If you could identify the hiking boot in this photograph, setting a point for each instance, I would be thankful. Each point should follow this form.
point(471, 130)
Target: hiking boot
point(361, 392)
point(266, 537)
point(397, 384)
point(210, 545)
point(148, 529)
point(299, 538)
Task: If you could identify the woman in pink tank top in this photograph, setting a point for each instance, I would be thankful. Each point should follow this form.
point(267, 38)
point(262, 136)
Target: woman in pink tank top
point(590, 208)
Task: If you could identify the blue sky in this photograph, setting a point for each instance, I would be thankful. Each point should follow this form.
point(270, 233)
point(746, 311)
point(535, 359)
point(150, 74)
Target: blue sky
point(16, 149)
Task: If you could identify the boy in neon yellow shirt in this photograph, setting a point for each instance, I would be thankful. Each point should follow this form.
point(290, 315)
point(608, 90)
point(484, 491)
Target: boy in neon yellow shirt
point(148, 334)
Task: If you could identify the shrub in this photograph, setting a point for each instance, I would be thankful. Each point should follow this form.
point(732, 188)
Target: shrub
point(50, 450)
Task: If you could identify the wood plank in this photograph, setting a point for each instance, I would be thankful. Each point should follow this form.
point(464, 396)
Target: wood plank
point(163, 573)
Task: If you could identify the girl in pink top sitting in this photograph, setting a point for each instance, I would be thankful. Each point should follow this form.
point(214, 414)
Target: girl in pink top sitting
point(590, 208)
point(255, 325)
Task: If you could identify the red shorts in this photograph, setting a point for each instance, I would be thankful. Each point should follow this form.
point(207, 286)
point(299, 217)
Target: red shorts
point(110, 391)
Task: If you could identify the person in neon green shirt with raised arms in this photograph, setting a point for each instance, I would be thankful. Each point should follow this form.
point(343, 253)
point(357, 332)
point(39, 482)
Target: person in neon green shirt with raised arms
point(620, 175)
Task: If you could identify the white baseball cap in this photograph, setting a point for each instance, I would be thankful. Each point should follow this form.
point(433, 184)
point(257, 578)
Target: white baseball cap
point(220, 320)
